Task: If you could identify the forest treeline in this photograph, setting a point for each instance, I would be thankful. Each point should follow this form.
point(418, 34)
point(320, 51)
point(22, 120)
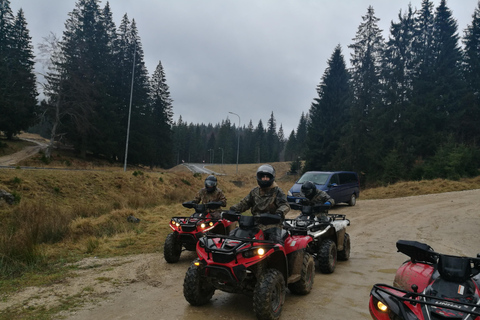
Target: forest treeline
point(406, 107)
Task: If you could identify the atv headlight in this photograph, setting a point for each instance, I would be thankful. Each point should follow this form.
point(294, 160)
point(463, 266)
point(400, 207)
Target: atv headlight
point(254, 252)
point(381, 306)
point(206, 227)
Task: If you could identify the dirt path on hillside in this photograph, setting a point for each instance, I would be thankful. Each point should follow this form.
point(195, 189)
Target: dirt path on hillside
point(145, 287)
point(27, 152)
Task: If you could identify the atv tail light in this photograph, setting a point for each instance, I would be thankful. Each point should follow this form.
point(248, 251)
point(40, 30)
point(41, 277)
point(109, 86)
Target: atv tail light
point(382, 307)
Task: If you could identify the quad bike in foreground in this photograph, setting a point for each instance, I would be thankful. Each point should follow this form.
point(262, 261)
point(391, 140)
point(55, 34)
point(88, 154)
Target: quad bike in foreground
point(246, 262)
point(328, 231)
point(187, 230)
point(429, 286)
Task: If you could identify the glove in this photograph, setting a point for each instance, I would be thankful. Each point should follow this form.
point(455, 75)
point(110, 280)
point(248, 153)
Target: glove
point(327, 203)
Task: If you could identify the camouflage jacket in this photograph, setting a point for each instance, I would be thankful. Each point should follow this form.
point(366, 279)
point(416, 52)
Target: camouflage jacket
point(217, 195)
point(268, 200)
point(319, 197)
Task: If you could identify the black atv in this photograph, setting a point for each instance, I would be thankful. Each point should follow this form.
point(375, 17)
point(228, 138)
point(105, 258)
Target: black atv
point(328, 231)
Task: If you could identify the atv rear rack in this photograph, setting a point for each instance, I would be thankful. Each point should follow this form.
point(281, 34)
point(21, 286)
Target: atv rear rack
point(410, 297)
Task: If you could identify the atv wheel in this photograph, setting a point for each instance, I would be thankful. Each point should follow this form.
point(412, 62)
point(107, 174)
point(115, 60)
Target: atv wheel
point(304, 285)
point(269, 295)
point(327, 256)
point(344, 255)
point(353, 200)
point(172, 248)
point(196, 290)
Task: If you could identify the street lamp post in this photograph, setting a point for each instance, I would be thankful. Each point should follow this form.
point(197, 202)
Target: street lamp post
point(238, 144)
point(222, 155)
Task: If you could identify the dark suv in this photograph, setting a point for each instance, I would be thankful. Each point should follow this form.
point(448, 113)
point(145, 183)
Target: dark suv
point(342, 186)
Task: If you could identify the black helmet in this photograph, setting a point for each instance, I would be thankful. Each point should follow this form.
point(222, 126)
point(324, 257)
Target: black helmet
point(308, 189)
point(211, 183)
point(265, 170)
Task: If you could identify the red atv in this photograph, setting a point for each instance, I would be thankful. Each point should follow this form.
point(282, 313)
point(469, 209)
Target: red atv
point(187, 230)
point(429, 286)
point(245, 262)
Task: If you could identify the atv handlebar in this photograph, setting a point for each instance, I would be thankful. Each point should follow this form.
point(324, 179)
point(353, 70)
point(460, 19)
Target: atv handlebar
point(308, 209)
point(263, 218)
point(202, 207)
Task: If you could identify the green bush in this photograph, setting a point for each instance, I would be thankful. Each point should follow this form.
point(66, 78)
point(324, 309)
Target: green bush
point(451, 162)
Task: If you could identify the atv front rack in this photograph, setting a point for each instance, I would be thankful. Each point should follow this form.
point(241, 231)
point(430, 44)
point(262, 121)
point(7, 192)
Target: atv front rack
point(229, 251)
point(302, 227)
point(189, 224)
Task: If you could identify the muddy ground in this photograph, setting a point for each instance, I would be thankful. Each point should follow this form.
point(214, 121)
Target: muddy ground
point(146, 287)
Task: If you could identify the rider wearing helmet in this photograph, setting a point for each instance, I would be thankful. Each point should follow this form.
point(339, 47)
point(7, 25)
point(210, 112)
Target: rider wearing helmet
point(315, 195)
point(266, 198)
point(211, 193)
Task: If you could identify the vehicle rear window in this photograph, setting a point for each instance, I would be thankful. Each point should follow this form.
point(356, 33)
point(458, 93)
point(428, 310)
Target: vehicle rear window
point(317, 178)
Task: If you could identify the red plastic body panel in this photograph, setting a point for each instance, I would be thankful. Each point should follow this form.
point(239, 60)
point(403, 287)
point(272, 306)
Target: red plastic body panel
point(411, 273)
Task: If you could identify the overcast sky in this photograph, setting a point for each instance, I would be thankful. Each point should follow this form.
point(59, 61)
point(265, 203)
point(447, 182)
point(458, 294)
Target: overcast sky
point(250, 57)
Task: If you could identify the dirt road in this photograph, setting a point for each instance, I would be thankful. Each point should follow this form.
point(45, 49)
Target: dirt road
point(14, 158)
point(145, 287)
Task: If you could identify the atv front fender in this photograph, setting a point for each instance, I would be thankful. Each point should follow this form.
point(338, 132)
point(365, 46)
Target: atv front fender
point(296, 243)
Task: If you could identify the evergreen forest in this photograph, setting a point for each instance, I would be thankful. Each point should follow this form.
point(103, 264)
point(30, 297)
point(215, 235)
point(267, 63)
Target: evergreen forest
point(405, 107)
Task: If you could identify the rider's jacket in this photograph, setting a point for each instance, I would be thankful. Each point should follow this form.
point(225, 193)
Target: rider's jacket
point(264, 200)
point(216, 196)
point(320, 197)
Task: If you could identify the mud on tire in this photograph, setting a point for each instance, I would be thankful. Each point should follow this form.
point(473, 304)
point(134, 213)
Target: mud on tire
point(172, 248)
point(196, 289)
point(344, 255)
point(269, 295)
point(305, 284)
point(327, 256)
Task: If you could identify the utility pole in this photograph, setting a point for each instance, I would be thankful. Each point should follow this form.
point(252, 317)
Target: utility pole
point(130, 107)
point(238, 144)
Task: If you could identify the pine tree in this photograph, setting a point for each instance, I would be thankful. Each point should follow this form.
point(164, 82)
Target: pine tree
point(18, 82)
point(82, 73)
point(291, 147)
point(161, 118)
point(328, 113)
point(366, 60)
point(301, 135)
point(260, 143)
point(393, 120)
point(130, 59)
point(272, 145)
point(470, 118)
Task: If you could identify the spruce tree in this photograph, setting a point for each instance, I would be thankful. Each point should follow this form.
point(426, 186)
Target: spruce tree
point(17, 82)
point(470, 117)
point(160, 118)
point(356, 152)
point(328, 114)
